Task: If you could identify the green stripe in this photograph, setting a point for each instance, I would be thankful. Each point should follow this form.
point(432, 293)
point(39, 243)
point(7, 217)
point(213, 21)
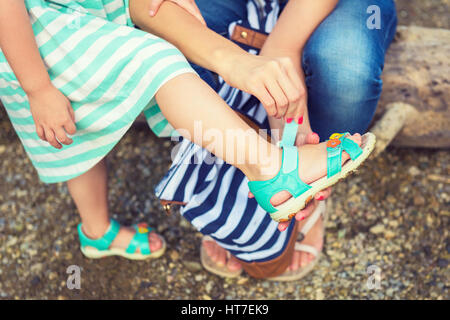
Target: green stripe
point(160, 126)
point(100, 60)
point(104, 86)
point(152, 111)
point(81, 47)
point(43, 21)
point(115, 14)
point(108, 107)
point(61, 36)
point(91, 154)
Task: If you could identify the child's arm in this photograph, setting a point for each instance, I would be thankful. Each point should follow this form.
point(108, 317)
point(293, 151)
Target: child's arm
point(51, 110)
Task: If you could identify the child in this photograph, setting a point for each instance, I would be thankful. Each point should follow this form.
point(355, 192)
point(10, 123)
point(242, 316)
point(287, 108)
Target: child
point(74, 81)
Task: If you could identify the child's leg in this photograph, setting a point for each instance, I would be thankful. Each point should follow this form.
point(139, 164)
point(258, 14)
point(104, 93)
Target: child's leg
point(187, 102)
point(90, 193)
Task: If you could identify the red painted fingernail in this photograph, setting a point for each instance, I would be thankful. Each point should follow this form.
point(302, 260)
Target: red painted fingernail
point(300, 120)
point(289, 120)
point(320, 198)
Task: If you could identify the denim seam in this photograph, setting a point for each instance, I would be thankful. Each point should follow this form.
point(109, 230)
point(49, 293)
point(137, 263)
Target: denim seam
point(393, 19)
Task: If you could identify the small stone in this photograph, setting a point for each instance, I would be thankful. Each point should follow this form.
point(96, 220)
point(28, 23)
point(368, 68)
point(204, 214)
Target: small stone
point(377, 229)
point(389, 234)
point(206, 297)
point(2, 148)
point(52, 275)
point(442, 263)
point(320, 295)
point(192, 266)
point(36, 268)
point(414, 171)
point(174, 255)
point(419, 200)
point(289, 289)
point(242, 281)
point(198, 277)
point(35, 281)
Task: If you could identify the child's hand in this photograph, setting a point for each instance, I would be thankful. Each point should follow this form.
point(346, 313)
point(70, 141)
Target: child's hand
point(53, 116)
point(188, 5)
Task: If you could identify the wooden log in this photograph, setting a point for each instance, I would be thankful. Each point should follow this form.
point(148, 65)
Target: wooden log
point(417, 73)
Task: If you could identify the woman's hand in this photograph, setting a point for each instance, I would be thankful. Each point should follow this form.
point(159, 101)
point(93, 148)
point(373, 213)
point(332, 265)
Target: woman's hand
point(188, 5)
point(53, 116)
point(273, 80)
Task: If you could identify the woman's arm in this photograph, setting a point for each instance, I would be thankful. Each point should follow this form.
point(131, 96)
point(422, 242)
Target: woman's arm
point(51, 110)
point(272, 80)
point(297, 22)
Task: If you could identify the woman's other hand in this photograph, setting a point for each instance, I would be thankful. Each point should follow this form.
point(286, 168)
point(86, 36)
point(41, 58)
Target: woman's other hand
point(274, 81)
point(188, 5)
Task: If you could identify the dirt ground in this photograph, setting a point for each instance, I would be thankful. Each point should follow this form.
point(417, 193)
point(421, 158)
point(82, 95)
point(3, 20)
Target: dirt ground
point(395, 221)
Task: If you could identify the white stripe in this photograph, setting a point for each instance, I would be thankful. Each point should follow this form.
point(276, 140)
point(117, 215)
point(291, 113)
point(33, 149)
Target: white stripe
point(256, 255)
point(81, 148)
point(236, 213)
point(72, 41)
point(120, 110)
point(211, 215)
point(91, 54)
point(68, 170)
point(252, 226)
point(15, 98)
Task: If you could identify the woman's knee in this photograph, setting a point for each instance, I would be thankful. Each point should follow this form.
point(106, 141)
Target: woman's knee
point(343, 76)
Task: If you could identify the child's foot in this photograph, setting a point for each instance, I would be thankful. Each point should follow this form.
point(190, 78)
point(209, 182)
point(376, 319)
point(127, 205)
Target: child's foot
point(126, 234)
point(123, 238)
point(312, 166)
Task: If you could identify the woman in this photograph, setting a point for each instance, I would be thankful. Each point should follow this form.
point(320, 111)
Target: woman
point(340, 60)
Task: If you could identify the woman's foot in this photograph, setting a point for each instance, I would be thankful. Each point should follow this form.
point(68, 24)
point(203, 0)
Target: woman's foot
point(220, 256)
point(300, 259)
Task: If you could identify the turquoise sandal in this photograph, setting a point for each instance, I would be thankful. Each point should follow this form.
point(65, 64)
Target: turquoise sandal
point(288, 180)
point(100, 248)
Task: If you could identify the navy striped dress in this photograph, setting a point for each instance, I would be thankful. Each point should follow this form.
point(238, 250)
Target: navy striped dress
point(216, 193)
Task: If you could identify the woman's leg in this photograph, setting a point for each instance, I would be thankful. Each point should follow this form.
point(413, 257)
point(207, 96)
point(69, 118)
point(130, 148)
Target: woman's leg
point(90, 193)
point(343, 62)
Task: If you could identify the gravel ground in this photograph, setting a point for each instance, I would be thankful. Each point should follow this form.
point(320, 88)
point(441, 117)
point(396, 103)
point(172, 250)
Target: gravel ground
point(395, 221)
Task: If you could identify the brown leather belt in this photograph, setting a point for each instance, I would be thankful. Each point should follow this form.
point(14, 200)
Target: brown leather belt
point(249, 37)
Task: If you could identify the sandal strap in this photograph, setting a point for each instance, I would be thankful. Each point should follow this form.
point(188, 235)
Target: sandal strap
point(338, 143)
point(317, 213)
point(102, 243)
point(287, 179)
point(289, 134)
point(306, 248)
point(140, 240)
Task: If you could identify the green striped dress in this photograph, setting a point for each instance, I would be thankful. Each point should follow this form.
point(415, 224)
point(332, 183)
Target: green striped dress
point(109, 70)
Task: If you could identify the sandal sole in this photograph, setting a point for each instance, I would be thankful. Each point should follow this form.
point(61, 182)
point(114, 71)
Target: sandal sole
point(93, 253)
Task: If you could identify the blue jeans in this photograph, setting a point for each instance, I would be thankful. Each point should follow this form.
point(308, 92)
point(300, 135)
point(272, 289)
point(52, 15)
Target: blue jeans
point(342, 60)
